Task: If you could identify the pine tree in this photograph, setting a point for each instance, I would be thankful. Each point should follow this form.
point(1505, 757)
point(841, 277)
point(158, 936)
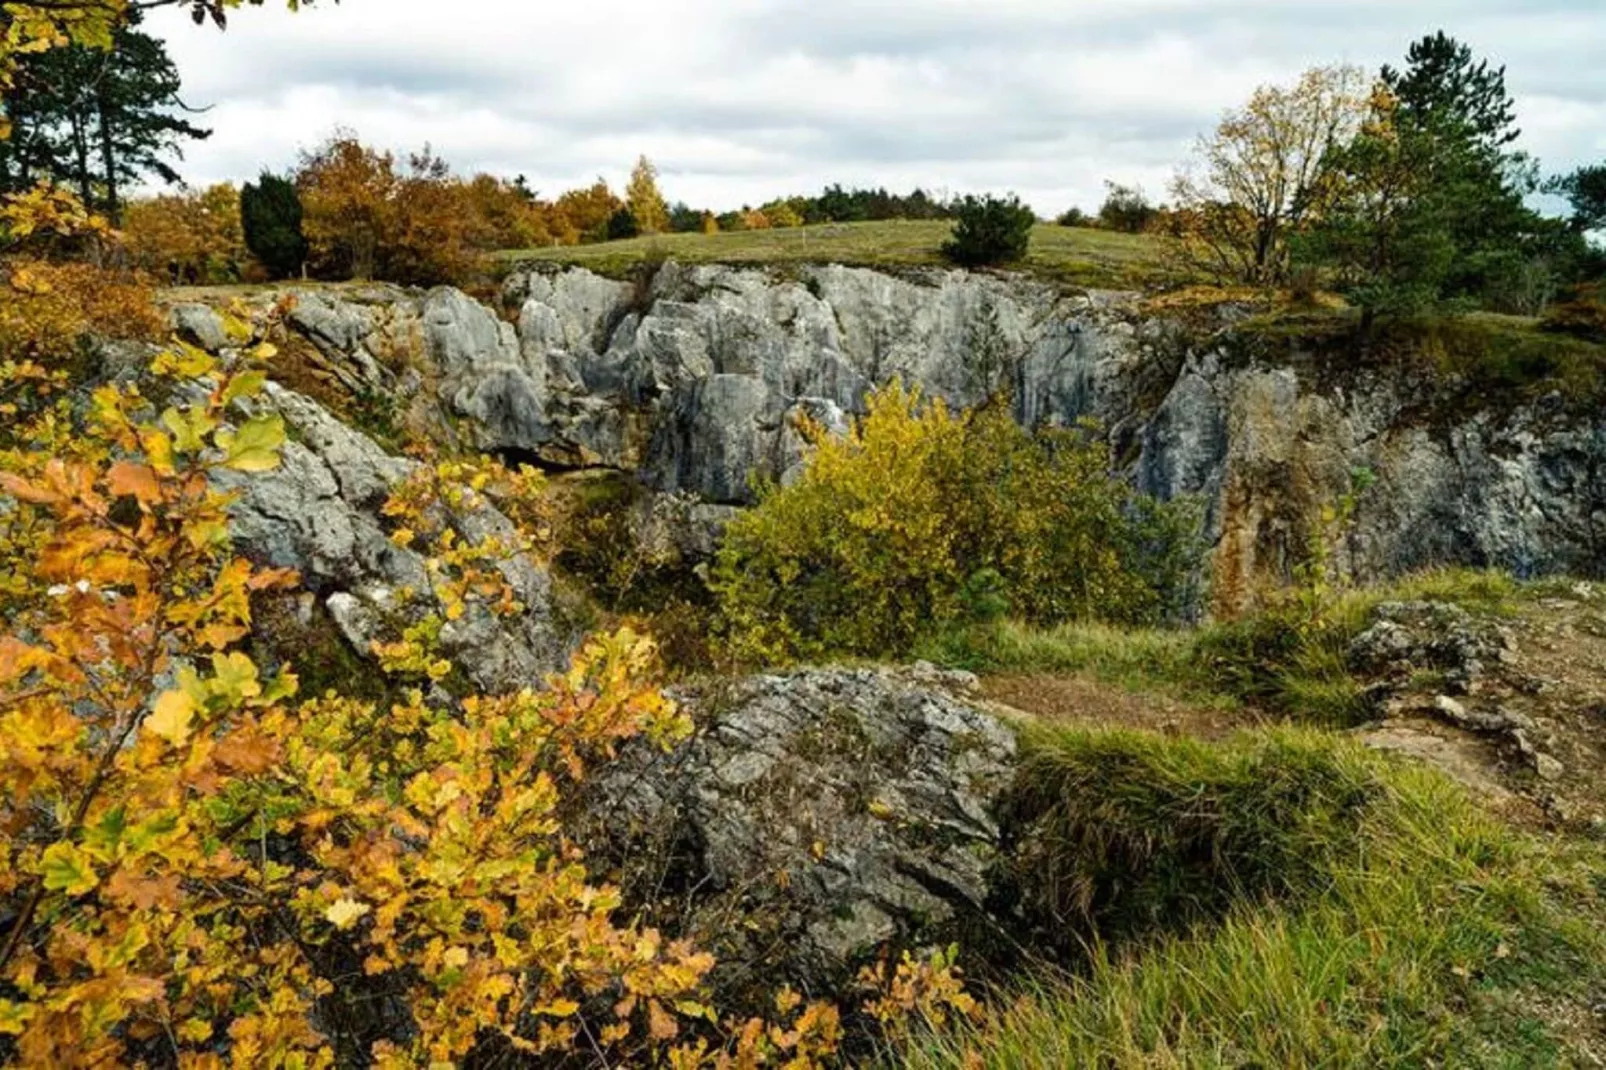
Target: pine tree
point(270, 212)
point(646, 204)
point(97, 119)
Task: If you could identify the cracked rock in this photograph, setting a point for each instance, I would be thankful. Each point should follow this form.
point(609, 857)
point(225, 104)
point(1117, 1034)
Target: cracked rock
point(840, 808)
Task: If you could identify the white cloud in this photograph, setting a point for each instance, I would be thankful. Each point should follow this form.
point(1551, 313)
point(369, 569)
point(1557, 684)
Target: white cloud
point(741, 100)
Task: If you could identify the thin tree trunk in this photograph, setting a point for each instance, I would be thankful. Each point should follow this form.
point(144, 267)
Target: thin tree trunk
point(80, 138)
point(108, 154)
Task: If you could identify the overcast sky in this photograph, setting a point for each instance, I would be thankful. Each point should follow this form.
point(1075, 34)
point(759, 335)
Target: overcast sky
point(739, 101)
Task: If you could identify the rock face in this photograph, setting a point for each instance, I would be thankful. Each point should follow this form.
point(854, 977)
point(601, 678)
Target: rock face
point(319, 513)
point(840, 809)
point(695, 380)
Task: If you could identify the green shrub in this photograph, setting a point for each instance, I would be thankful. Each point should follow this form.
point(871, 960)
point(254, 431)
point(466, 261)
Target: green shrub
point(921, 520)
point(622, 225)
point(1126, 208)
point(989, 230)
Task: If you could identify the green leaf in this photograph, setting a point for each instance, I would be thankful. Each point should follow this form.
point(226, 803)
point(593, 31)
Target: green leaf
point(235, 678)
point(255, 446)
point(67, 869)
point(245, 385)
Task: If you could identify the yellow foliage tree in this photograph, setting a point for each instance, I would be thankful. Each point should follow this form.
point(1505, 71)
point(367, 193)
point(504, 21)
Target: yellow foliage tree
point(348, 197)
point(646, 204)
point(782, 214)
point(188, 237)
point(1260, 176)
point(919, 517)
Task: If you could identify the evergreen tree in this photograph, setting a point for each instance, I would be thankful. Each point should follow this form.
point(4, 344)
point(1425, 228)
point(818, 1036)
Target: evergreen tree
point(97, 119)
point(1445, 88)
point(1585, 190)
point(270, 213)
point(1456, 110)
point(990, 230)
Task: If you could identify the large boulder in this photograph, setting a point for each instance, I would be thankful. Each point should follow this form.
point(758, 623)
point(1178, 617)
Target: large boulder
point(816, 817)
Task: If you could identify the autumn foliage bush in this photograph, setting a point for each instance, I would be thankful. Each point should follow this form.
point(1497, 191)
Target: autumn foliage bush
point(369, 215)
point(49, 310)
point(200, 869)
point(921, 518)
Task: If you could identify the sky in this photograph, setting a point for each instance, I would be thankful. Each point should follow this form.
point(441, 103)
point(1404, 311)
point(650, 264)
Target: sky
point(741, 101)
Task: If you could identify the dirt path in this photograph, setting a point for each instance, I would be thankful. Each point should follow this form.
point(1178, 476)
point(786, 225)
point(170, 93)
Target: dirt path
point(1082, 699)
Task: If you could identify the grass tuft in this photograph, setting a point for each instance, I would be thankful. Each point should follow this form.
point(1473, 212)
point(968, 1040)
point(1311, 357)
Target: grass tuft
point(1284, 899)
point(1276, 660)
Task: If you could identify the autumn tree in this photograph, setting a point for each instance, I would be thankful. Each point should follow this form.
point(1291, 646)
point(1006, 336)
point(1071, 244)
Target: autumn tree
point(271, 224)
point(646, 204)
point(188, 237)
point(583, 214)
point(783, 213)
point(348, 193)
point(1259, 177)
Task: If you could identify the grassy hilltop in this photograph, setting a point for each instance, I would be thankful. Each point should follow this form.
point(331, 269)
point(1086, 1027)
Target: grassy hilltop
point(1078, 255)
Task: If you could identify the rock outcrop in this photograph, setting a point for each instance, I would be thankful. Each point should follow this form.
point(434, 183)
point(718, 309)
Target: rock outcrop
point(832, 811)
point(319, 513)
point(695, 379)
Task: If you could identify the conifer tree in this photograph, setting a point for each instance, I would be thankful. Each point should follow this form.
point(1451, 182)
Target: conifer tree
point(270, 212)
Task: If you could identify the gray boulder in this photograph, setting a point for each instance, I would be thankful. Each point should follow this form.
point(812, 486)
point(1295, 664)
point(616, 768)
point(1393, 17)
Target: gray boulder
point(199, 325)
point(830, 811)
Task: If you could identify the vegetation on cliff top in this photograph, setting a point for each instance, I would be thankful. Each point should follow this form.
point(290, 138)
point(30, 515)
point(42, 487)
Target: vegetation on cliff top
point(1077, 255)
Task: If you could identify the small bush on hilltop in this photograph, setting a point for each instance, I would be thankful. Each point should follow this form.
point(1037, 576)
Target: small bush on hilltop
point(990, 230)
point(1127, 209)
point(921, 519)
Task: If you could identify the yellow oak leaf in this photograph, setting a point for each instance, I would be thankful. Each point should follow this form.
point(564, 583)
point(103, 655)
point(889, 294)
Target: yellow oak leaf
point(172, 716)
point(344, 913)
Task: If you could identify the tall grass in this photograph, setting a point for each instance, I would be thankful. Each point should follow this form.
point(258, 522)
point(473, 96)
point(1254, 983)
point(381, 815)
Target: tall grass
point(1285, 899)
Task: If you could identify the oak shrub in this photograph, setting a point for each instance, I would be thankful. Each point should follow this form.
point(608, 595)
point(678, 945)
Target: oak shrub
point(922, 518)
point(198, 868)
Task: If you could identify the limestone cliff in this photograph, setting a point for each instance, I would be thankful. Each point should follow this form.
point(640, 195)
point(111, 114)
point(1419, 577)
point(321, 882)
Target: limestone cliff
point(694, 377)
